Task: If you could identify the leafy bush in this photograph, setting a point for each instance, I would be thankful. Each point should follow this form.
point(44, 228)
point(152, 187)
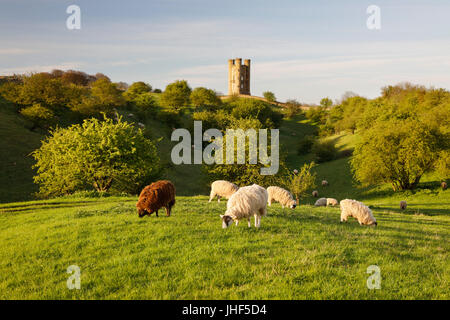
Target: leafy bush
point(96, 154)
point(204, 97)
point(244, 174)
point(292, 108)
point(398, 152)
point(324, 151)
point(257, 109)
point(39, 116)
point(301, 182)
point(269, 96)
point(136, 89)
point(176, 95)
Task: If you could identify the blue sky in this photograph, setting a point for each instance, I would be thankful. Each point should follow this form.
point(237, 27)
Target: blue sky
point(303, 50)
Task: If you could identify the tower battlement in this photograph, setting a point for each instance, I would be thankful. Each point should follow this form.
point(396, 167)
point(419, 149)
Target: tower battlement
point(238, 76)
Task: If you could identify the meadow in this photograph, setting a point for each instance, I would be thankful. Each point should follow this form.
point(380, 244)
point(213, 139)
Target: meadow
point(296, 254)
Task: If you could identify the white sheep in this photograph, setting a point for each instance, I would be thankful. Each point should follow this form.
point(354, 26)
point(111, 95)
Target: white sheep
point(332, 202)
point(324, 183)
point(222, 188)
point(244, 203)
point(315, 193)
point(357, 210)
point(282, 196)
point(322, 202)
point(403, 205)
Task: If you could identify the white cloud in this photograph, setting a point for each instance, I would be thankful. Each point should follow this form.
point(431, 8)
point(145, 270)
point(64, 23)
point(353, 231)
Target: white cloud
point(41, 68)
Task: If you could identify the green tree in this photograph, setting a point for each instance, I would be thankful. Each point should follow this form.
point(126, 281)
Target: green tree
point(398, 152)
point(300, 182)
point(103, 97)
point(176, 95)
point(269, 96)
point(256, 109)
point(136, 89)
point(39, 116)
point(96, 154)
point(292, 107)
point(204, 97)
point(326, 102)
point(41, 88)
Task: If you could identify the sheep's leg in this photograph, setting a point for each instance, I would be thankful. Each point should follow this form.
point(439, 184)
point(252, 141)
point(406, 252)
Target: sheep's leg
point(218, 199)
point(257, 220)
point(269, 201)
point(249, 223)
point(212, 195)
point(237, 222)
point(168, 211)
point(157, 213)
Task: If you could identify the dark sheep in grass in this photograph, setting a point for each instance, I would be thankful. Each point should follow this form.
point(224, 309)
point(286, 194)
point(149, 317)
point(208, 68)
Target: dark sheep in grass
point(155, 196)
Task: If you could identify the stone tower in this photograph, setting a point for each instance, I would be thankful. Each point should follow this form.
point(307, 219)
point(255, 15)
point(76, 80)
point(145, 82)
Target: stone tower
point(238, 76)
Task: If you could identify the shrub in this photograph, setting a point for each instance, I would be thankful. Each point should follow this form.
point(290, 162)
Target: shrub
point(269, 96)
point(136, 89)
point(176, 95)
point(204, 97)
point(96, 154)
point(39, 116)
point(243, 174)
point(292, 108)
point(302, 182)
point(324, 151)
point(398, 152)
point(256, 109)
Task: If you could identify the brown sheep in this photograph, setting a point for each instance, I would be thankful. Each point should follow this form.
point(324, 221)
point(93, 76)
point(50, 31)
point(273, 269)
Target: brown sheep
point(444, 185)
point(155, 196)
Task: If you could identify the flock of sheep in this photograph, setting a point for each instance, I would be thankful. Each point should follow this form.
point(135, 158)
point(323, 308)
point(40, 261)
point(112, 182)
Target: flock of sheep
point(245, 202)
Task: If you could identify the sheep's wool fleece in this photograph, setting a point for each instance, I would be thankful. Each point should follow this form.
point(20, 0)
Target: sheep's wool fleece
point(247, 201)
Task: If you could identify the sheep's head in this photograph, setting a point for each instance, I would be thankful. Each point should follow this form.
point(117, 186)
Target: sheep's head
point(142, 212)
point(226, 221)
point(292, 204)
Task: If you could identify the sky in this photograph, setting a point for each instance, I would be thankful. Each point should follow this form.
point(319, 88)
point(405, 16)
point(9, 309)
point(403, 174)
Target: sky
point(303, 50)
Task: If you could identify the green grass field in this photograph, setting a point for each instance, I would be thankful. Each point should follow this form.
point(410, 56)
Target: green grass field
point(296, 254)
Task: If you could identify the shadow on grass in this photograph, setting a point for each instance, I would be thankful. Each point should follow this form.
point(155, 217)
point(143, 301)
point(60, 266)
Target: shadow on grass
point(55, 205)
point(414, 211)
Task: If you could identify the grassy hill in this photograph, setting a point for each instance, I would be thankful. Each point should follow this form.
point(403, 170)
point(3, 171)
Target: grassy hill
point(296, 254)
point(16, 143)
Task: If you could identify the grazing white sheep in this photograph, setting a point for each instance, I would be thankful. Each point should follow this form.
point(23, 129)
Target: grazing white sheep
point(222, 188)
point(244, 203)
point(282, 196)
point(322, 202)
point(324, 183)
point(332, 202)
point(315, 193)
point(403, 205)
point(357, 210)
